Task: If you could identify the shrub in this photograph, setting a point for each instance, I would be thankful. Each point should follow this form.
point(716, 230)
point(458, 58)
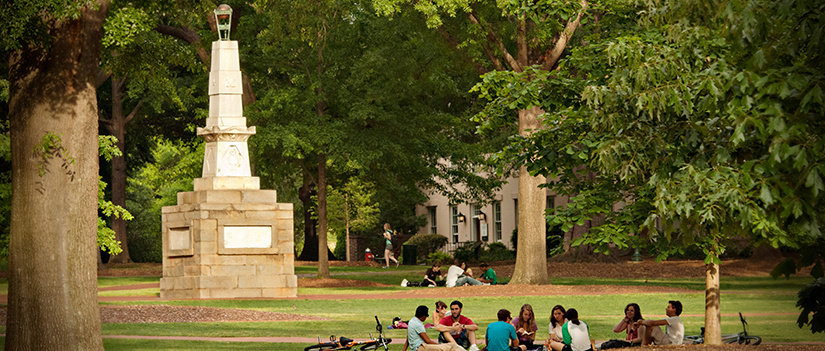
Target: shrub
point(438, 256)
point(427, 243)
point(468, 252)
point(497, 252)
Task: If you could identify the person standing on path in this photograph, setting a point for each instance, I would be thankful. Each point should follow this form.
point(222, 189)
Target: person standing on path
point(417, 338)
point(388, 234)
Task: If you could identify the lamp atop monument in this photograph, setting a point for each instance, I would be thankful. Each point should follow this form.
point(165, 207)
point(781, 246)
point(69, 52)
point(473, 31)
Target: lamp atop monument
point(223, 18)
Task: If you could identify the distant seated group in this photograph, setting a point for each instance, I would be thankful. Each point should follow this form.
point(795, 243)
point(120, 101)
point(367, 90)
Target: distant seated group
point(457, 275)
point(566, 331)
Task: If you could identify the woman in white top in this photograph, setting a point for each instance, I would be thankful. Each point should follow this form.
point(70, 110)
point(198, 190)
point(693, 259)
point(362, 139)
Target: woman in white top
point(576, 334)
point(556, 321)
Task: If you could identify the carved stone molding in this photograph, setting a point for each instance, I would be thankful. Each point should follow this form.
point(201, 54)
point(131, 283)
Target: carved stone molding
point(218, 133)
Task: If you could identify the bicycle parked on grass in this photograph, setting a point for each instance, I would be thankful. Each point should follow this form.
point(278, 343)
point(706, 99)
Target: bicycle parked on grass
point(345, 343)
point(739, 338)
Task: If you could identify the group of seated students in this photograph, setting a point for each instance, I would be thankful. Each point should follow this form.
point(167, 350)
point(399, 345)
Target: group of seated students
point(457, 275)
point(566, 331)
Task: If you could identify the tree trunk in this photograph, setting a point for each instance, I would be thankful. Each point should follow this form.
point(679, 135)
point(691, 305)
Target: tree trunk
point(531, 253)
point(323, 247)
point(117, 127)
point(310, 250)
point(713, 322)
point(52, 260)
point(346, 218)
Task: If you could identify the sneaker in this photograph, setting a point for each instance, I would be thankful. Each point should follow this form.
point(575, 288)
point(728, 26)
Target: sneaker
point(404, 282)
point(473, 347)
point(430, 286)
point(396, 264)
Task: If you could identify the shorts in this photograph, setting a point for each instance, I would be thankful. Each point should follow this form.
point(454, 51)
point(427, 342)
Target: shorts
point(389, 248)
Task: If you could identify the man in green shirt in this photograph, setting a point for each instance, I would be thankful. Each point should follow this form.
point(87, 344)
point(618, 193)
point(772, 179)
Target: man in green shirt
point(488, 275)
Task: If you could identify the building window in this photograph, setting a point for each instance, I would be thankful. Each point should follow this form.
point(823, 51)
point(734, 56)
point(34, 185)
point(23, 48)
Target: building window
point(551, 202)
point(433, 225)
point(497, 220)
point(454, 223)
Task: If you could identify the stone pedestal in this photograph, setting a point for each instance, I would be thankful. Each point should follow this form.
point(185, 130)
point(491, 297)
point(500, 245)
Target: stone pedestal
point(227, 238)
point(228, 244)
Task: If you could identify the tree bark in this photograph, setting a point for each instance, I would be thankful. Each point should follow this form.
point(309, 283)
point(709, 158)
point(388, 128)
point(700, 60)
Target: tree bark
point(531, 258)
point(116, 126)
point(713, 319)
point(310, 250)
point(323, 246)
point(52, 260)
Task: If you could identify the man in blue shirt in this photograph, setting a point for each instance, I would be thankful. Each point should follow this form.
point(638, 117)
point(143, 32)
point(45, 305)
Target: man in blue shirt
point(417, 338)
point(501, 335)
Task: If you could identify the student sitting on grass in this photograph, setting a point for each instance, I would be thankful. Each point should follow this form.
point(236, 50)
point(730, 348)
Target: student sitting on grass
point(635, 332)
point(417, 338)
point(674, 330)
point(456, 276)
point(526, 327)
point(501, 335)
point(576, 334)
point(556, 321)
point(488, 275)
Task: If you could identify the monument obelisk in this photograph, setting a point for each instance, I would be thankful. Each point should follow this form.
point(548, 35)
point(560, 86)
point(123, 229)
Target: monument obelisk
point(227, 238)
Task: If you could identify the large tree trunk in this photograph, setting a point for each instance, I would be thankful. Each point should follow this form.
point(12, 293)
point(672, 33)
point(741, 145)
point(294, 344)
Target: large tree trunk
point(310, 250)
point(116, 126)
point(53, 243)
point(531, 253)
point(713, 322)
point(323, 247)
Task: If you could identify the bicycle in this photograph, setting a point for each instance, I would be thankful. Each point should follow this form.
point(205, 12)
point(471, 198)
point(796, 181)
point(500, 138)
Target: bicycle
point(345, 343)
point(742, 337)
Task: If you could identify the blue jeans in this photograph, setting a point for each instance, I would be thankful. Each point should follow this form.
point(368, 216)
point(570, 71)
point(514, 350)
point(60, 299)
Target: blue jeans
point(463, 279)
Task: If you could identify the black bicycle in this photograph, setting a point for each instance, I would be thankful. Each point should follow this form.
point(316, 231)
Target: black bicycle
point(345, 343)
point(739, 338)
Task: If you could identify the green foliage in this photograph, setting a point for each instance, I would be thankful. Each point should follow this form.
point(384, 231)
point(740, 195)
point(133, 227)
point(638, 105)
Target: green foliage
point(496, 252)
point(439, 257)
point(25, 21)
point(812, 296)
point(427, 244)
point(106, 236)
point(51, 146)
point(812, 304)
point(156, 185)
point(469, 251)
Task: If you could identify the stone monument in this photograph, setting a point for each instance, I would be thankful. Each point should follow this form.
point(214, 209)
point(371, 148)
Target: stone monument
point(227, 238)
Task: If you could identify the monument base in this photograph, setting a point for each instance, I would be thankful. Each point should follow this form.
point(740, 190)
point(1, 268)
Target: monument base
point(228, 244)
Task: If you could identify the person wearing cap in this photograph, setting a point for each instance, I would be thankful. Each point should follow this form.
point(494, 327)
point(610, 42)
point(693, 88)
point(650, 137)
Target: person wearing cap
point(488, 275)
point(417, 338)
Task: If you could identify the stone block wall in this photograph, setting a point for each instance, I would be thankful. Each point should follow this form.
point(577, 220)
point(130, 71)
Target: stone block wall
point(228, 244)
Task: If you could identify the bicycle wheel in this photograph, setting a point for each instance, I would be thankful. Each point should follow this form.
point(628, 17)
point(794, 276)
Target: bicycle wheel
point(371, 345)
point(692, 339)
point(320, 347)
point(750, 340)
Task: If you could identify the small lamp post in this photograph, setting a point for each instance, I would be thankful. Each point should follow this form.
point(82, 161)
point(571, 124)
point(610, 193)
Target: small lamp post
point(223, 18)
point(637, 256)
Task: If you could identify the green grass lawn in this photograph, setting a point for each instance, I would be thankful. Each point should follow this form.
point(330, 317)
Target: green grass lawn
point(754, 297)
